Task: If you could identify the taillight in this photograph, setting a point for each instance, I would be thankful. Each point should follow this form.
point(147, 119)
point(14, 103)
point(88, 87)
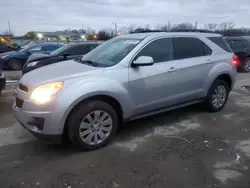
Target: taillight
point(235, 60)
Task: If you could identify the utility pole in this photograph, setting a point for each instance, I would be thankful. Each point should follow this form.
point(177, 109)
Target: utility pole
point(115, 28)
point(9, 28)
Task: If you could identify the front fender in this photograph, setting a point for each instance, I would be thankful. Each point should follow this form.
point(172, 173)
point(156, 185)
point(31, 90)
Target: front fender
point(76, 91)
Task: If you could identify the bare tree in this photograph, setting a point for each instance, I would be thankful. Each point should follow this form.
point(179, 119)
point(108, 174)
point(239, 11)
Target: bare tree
point(90, 31)
point(131, 28)
point(211, 26)
point(227, 26)
point(147, 27)
point(185, 25)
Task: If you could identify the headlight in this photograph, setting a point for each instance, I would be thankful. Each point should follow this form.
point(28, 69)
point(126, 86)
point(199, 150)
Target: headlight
point(32, 64)
point(44, 93)
point(4, 56)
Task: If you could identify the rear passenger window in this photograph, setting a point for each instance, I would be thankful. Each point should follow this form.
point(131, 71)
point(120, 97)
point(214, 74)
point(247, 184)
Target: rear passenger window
point(160, 50)
point(221, 43)
point(190, 47)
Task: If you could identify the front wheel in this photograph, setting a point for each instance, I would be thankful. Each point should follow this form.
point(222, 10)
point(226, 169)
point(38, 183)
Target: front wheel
point(92, 125)
point(15, 64)
point(217, 96)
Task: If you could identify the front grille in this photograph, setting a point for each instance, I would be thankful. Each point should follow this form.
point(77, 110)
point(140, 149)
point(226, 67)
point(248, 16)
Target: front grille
point(19, 103)
point(23, 88)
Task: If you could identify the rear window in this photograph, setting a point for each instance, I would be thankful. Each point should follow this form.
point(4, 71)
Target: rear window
point(221, 43)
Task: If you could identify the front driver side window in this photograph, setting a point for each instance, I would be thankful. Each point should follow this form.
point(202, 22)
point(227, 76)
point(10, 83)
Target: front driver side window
point(160, 50)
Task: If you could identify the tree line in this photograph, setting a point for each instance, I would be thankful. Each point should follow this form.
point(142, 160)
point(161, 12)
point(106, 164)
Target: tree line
point(225, 28)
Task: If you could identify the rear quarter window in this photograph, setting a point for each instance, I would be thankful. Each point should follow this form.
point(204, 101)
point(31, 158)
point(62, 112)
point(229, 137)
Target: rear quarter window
point(219, 41)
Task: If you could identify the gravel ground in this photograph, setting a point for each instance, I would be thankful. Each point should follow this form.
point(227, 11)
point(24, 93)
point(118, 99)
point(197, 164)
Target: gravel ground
point(183, 148)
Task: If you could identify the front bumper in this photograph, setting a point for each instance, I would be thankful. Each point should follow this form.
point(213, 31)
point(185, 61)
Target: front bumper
point(3, 63)
point(41, 121)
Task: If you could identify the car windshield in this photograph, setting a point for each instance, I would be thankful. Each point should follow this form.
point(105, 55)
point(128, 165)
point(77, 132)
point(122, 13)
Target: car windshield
point(111, 52)
point(30, 48)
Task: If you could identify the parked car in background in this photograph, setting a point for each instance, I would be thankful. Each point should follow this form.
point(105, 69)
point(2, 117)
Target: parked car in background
point(67, 52)
point(241, 48)
point(2, 80)
point(16, 60)
point(4, 47)
point(30, 43)
point(126, 78)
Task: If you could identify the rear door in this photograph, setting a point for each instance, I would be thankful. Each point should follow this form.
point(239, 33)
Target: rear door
point(191, 69)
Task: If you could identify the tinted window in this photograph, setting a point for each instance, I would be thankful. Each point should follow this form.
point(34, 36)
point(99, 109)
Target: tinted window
point(92, 46)
point(189, 48)
point(221, 43)
point(236, 44)
point(160, 50)
point(51, 47)
point(207, 50)
point(78, 50)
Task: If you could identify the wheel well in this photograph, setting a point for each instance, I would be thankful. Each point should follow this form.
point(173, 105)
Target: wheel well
point(226, 78)
point(110, 100)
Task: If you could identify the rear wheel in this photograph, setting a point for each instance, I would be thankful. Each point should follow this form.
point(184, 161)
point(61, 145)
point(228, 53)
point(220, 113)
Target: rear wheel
point(15, 64)
point(217, 96)
point(246, 65)
point(92, 125)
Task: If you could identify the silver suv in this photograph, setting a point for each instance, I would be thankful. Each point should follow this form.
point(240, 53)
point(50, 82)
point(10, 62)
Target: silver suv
point(125, 78)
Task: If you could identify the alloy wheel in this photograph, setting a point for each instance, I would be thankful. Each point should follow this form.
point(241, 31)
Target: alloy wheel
point(219, 96)
point(95, 127)
point(15, 64)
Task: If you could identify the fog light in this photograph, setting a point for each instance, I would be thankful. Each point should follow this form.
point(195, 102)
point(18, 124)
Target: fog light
point(38, 122)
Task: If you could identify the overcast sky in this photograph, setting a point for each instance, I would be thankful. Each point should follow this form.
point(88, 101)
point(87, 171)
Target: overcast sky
point(51, 15)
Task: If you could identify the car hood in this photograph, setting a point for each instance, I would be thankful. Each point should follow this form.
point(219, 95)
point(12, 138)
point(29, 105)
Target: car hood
point(37, 56)
point(58, 72)
point(9, 53)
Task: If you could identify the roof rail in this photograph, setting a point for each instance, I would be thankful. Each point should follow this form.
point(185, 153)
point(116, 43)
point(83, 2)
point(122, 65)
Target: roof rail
point(191, 30)
point(146, 31)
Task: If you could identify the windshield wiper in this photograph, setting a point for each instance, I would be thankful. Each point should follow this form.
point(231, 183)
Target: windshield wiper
point(89, 62)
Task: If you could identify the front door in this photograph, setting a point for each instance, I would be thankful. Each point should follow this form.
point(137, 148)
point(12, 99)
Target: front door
point(152, 87)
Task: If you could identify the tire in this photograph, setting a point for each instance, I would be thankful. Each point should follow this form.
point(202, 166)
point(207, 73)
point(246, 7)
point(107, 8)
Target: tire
point(246, 65)
point(90, 109)
point(15, 64)
point(211, 103)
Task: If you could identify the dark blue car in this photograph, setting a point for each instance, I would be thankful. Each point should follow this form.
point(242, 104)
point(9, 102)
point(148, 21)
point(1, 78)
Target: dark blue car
point(16, 59)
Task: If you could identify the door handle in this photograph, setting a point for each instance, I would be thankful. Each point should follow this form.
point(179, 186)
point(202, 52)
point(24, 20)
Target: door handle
point(172, 69)
point(208, 61)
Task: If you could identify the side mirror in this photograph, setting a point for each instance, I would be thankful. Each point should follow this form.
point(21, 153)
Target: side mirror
point(65, 55)
point(143, 61)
